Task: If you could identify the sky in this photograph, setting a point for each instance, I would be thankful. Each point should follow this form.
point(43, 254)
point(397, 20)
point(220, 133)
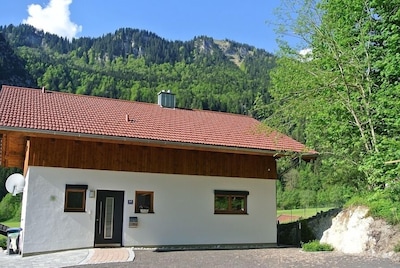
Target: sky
point(237, 20)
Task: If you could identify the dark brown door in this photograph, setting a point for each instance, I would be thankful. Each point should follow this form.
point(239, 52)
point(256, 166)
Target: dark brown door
point(109, 217)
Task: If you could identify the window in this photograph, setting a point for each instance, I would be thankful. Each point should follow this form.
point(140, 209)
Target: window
point(230, 202)
point(144, 202)
point(75, 198)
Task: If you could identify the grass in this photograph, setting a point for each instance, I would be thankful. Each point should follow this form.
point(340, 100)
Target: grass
point(302, 212)
point(11, 223)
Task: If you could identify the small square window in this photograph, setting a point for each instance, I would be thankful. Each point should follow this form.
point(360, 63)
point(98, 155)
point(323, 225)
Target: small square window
point(144, 202)
point(75, 198)
point(230, 202)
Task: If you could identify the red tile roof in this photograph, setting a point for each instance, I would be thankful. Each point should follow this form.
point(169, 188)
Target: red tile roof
point(50, 111)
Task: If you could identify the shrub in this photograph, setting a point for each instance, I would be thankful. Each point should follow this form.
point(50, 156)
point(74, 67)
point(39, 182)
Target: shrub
point(315, 245)
point(3, 241)
point(10, 207)
point(397, 248)
point(380, 205)
point(358, 200)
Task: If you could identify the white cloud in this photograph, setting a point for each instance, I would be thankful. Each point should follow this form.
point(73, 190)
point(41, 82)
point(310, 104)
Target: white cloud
point(54, 18)
point(306, 54)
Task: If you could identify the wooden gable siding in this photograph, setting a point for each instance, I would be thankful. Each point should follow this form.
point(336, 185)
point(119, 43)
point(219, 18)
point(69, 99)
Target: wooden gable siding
point(1, 150)
point(139, 158)
point(20, 150)
point(12, 150)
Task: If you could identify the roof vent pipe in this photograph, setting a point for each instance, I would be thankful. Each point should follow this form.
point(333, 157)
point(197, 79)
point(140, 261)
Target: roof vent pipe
point(166, 99)
point(43, 90)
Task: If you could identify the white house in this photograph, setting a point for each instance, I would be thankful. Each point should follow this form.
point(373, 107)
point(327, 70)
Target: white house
point(105, 172)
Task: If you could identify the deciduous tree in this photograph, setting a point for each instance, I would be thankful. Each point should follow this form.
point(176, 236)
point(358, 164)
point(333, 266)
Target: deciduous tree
point(343, 92)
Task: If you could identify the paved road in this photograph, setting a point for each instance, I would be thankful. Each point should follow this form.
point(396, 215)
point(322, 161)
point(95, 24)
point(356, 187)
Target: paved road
point(271, 257)
point(285, 257)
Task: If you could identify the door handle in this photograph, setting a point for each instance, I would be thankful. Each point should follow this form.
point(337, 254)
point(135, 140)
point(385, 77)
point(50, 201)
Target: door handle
point(99, 219)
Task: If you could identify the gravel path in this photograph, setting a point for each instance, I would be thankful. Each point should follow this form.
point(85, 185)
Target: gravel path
point(282, 257)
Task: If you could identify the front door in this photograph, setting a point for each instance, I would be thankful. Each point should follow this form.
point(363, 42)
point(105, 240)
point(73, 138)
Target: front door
point(109, 215)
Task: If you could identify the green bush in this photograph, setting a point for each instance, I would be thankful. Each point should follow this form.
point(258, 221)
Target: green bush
point(10, 207)
point(357, 200)
point(3, 241)
point(315, 245)
point(380, 205)
point(397, 248)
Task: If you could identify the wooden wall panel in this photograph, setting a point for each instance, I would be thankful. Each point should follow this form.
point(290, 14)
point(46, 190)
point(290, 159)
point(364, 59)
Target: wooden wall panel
point(13, 150)
point(139, 158)
point(26, 160)
point(1, 151)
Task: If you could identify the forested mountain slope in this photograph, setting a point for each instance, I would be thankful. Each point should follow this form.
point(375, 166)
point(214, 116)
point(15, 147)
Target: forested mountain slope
point(133, 64)
point(12, 67)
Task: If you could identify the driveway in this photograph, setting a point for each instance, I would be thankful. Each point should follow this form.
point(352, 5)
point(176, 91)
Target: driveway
point(271, 257)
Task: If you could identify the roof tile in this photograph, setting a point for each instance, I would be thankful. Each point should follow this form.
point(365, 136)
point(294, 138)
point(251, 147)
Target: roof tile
point(55, 111)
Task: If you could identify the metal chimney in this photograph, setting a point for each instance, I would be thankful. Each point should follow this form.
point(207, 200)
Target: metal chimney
point(166, 99)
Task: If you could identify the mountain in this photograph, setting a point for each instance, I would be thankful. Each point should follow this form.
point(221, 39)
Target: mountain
point(134, 64)
point(12, 67)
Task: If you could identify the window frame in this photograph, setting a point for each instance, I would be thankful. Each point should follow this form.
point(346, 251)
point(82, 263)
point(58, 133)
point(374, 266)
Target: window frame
point(231, 195)
point(137, 201)
point(75, 188)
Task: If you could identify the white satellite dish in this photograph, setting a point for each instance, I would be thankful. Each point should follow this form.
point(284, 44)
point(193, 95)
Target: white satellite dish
point(15, 183)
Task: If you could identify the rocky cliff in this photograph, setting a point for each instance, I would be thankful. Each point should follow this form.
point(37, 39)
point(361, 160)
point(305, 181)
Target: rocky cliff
point(353, 231)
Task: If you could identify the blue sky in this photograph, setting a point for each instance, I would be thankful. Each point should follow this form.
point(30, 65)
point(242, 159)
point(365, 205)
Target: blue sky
point(238, 20)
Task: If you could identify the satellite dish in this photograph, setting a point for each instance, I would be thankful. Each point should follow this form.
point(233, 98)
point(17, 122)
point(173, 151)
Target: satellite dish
point(15, 184)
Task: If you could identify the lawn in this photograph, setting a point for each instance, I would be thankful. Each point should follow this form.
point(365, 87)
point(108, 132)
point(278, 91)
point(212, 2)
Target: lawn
point(11, 223)
point(302, 212)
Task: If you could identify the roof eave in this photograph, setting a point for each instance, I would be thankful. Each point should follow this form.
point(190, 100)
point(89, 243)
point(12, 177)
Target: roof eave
point(303, 155)
point(175, 144)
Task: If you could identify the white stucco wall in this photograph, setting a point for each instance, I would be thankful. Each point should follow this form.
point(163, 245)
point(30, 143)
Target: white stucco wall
point(183, 210)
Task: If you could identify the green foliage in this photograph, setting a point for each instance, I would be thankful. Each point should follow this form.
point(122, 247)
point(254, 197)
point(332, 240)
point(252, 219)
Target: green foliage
point(340, 99)
point(303, 187)
point(381, 204)
point(12, 70)
point(3, 242)
point(10, 207)
point(397, 248)
point(315, 245)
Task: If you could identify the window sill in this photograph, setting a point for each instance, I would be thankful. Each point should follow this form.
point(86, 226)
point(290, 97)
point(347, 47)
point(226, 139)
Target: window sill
point(150, 212)
point(81, 211)
point(230, 213)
